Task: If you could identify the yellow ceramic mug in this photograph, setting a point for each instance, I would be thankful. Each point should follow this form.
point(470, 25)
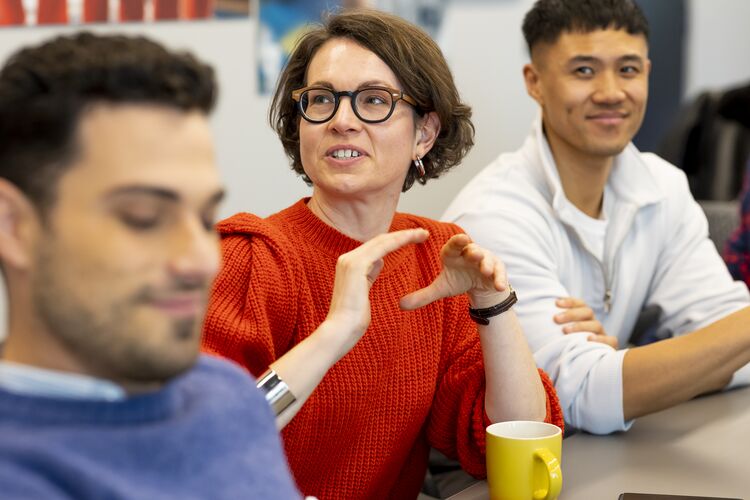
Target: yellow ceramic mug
point(523, 460)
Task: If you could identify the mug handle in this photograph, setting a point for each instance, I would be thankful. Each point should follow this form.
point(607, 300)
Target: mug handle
point(554, 474)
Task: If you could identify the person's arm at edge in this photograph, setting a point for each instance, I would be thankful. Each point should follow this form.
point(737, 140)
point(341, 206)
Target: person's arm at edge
point(691, 284)
point(671, 371)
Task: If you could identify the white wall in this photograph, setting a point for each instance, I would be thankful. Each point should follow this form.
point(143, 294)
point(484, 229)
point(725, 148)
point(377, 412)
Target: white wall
point(484, 46)
point(718, 45)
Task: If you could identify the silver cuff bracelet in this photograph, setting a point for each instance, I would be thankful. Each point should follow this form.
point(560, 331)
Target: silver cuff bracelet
point(277, 393)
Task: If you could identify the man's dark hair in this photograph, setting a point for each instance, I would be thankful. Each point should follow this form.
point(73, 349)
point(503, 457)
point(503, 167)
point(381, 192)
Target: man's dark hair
point(45, 89)
point(548, 19)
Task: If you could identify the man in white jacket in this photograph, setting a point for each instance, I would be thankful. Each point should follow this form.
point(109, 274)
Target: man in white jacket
point(593, 231)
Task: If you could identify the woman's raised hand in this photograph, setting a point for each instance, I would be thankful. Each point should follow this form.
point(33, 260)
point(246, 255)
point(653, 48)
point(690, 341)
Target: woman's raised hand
point(356, 271)
point(467, 267)
point(305, 365)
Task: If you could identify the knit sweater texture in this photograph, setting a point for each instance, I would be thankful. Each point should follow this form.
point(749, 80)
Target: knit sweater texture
point(414, 380)
point(208, 434)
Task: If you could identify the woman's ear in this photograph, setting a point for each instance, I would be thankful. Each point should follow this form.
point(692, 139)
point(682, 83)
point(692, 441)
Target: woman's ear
point(428, 129)
point(18, 218)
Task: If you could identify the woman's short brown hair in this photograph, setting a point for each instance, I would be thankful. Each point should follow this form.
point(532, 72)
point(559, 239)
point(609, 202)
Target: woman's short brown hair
point(416, 61)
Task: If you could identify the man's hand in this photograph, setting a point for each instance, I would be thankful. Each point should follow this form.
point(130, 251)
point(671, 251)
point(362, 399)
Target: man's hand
point(578, 317)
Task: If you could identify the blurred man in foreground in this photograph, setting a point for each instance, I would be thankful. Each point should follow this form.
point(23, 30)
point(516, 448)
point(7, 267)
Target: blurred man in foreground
point(108, 197)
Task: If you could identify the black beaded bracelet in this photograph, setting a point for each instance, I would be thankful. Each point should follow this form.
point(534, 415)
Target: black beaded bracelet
point(481, 316)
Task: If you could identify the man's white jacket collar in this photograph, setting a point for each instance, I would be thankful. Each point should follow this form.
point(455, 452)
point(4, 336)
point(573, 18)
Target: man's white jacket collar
point(631, 180)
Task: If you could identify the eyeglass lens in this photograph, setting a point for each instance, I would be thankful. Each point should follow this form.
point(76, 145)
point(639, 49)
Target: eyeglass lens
point(369, 104)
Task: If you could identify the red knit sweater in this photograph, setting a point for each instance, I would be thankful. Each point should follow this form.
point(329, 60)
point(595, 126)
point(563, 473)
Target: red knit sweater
point(414, 380)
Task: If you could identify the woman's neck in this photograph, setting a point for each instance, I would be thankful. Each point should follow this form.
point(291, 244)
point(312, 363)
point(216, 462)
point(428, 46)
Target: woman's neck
point(361, 219)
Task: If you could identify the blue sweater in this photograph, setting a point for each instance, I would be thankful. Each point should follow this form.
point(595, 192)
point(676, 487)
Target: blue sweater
point(209, 434)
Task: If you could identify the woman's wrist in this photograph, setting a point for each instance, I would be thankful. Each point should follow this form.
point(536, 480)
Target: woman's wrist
point(482, 316)
point(278, 395)
point(336, 337)
point(483, 299)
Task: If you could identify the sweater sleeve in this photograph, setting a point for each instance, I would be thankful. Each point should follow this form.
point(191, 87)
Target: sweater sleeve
point(458, 420)
point(250, 316)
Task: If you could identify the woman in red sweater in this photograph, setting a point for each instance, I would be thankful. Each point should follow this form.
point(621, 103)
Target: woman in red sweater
point(375, 338)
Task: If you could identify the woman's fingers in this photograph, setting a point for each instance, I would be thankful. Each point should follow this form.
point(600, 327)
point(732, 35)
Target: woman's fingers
point(383, 244)
point(478, 263)
point(423, 296)
point(456, 245)
point(358, 269)
point(501, 279)
point(374, 271)
point(467, 267)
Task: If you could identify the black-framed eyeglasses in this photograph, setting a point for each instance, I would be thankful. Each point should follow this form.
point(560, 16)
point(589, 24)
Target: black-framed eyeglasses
point(370, 104)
